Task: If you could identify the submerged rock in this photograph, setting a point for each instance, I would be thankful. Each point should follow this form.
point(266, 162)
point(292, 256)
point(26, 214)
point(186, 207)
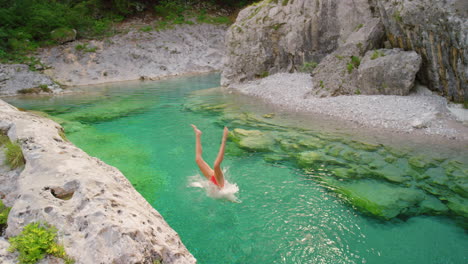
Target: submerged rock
point(99, 215)
point(252, 140)
point(379, 199)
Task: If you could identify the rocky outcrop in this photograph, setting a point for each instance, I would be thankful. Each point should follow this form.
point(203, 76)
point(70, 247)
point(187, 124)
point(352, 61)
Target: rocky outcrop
point(18, 78)
point(388, 72)
point(99, 215)
point(137, 55)
point(438, 32)
point(280, 36)
point(337, 73)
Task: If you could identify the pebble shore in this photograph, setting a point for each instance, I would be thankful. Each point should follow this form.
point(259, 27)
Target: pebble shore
point(422, 112)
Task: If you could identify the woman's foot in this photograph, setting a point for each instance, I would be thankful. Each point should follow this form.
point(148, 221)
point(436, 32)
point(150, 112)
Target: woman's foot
point(225, 132)
point(196, 130)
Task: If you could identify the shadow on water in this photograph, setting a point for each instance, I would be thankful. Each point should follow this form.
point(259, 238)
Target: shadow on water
point(312, 190)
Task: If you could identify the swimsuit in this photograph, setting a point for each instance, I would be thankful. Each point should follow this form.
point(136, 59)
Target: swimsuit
point(213, 180)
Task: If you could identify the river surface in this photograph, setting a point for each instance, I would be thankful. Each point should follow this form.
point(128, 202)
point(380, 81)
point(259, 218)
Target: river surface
point(282, 213)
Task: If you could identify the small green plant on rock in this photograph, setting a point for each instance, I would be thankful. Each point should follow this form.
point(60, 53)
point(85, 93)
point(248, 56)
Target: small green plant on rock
point(4, 211)
point(376, 54)
point(13, 153)
point(308, 66)
point(35, 242)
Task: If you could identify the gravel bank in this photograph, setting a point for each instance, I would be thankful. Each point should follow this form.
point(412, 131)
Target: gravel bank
point(422, 112)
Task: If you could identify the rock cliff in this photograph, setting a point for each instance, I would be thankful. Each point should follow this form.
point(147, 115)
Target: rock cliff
point(281, 36)
point(99, 215)
point(438, 32)
point(137, 55)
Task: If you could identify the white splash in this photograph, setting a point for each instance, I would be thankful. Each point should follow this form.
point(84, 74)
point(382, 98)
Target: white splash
point(228, 192)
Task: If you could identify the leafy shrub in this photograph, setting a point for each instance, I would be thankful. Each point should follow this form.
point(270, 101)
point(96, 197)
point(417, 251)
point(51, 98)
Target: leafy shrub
point(35, 242)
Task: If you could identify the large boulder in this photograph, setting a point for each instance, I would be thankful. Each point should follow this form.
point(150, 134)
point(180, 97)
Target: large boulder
point(438, 31)
point(100, 217)
point(281, 36)
point(18, 78)
point(388, 72)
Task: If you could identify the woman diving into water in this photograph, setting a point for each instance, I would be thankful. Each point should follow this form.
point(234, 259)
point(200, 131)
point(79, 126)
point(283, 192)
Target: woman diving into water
point(214, 175)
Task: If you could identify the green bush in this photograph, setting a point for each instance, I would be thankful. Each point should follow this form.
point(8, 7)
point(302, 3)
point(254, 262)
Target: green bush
point(35, 242)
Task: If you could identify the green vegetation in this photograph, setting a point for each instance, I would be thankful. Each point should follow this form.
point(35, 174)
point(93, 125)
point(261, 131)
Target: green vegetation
point(85, 48)
point(353, 64)
point(4, 211)
point(397, 16)
point(308, 66)
point(358, 27)
point(35, 242)
point(262, 75)
point(13, 153)
point(36, 90)
point(339, 57)
point(376, 54)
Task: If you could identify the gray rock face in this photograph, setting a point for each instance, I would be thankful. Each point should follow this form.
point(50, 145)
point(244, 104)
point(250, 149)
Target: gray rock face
point(280, 36)
point(438, 31)
point(137, 55)
point(388, 72)
point(16, 77)
point(337, 73)
point(99, 215)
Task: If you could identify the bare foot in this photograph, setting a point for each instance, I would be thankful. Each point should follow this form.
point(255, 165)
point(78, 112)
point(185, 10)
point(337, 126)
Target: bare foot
point(226, 132)
point(196, 130)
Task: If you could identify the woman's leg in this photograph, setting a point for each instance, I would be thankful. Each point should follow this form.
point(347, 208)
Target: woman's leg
point(217, 164)
point(204, 167)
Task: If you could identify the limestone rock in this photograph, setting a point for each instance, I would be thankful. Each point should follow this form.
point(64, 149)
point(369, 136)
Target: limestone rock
point(99, 215)
point(437, 31)
point(388, 72)
point(6, 257)
point(151, 55)
point(17, 77)
point(337, 73)
point(280, 36)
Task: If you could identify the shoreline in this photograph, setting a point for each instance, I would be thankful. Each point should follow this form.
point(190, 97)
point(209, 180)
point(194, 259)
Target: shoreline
point(421, 113)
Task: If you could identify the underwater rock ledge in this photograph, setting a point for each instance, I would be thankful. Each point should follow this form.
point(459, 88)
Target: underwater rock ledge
point(100, 217)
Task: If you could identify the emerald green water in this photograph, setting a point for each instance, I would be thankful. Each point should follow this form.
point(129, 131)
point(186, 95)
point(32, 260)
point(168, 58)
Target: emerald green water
point(286, 213)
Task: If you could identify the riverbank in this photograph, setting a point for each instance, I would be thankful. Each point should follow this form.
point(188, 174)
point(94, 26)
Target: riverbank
point(100, 217)
point(420, 113)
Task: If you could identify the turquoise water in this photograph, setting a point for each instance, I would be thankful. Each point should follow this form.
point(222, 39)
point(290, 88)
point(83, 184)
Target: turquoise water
point(286, 214)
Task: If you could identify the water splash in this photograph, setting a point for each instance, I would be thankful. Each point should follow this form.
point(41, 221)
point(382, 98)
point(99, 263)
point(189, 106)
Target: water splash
point(228, 192)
